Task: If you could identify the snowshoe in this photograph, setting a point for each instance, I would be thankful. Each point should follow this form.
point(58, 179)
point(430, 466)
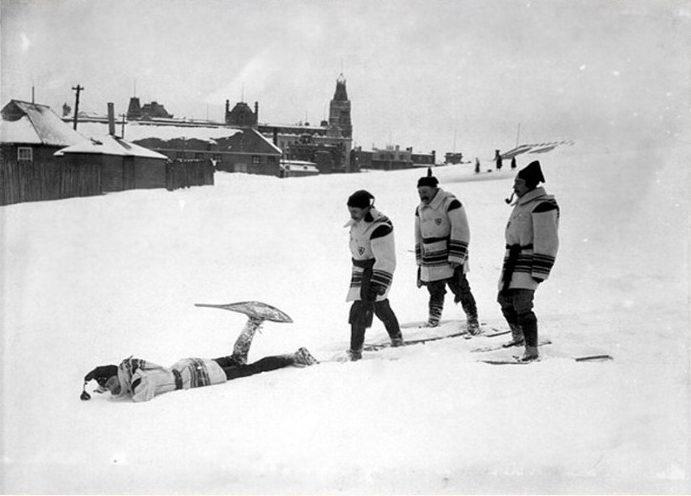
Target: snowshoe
point(253, 309)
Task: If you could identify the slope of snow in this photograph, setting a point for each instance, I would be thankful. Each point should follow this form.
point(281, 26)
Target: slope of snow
point(90, 281)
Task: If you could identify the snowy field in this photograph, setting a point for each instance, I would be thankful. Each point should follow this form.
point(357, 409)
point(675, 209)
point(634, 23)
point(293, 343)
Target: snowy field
point(90, 281)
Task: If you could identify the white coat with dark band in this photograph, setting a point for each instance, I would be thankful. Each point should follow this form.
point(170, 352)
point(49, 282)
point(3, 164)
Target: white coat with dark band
point(372, 245)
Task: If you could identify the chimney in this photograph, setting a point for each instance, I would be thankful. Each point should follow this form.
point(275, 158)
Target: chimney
point(256, 111)
point(227, 106)
point(111, 119)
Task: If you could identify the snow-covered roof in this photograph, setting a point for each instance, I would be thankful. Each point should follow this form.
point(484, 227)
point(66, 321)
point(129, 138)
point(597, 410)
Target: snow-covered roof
point(32, 123)
point(110, 145)
point(268, 141)
point(135, 131)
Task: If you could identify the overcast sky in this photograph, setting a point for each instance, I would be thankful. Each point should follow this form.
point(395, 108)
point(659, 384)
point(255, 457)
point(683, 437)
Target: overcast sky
point(418, 72)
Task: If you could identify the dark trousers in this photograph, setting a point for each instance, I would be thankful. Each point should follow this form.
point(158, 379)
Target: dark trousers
point(235, 370)
point(517, 307)
point(459, 286)
point(361, 318)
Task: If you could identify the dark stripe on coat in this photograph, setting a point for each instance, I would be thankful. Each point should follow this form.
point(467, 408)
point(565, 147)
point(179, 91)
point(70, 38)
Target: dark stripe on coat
point(382, 278)
point(547, 206)
point(454, 205)
point(382, 231)
point(458, 248)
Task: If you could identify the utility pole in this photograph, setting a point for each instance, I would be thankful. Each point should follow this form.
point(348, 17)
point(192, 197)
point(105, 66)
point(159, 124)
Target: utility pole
point(122, 132)
point(77, 89)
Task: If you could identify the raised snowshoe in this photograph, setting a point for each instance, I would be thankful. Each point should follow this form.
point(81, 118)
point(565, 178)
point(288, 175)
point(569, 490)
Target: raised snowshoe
point(253, 310)
point(257, 312)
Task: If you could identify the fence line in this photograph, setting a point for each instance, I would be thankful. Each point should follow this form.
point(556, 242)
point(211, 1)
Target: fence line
point(29, 181)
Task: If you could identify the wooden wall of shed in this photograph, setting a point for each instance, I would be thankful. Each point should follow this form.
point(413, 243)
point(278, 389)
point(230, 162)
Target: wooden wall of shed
point(149, 173)
point(46, 177)
point(113, 173)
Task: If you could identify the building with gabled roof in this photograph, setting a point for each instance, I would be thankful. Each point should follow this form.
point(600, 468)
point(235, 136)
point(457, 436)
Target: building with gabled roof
point(33, 124)
point(230, 149)
point(123, 165)
point(327, 144)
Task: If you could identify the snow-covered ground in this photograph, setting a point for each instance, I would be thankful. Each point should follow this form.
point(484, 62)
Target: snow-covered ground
point(90, 281)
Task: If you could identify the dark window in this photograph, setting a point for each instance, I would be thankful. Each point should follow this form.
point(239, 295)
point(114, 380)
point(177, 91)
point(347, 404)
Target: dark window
point(25, 154)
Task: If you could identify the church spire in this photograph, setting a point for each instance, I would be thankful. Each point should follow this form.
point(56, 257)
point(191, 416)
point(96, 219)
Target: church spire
point(341, 95)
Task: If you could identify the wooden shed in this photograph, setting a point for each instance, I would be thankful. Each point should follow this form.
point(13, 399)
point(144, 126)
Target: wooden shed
point(123, 165)
point(30, 134)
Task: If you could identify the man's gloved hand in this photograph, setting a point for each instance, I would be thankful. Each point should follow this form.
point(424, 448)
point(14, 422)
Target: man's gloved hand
point(537, 279)
point(419, 278)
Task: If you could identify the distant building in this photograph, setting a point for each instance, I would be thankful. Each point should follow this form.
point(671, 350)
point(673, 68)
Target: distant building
point(453, 158)
point(231, 149)
point(390, 158)
point(298, 168)
point(31, 133)
point(123, 165)
point(241, 115)
point(328, 144)
point(148, 111)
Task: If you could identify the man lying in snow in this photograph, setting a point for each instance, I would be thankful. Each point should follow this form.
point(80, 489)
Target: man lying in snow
point(142, 380)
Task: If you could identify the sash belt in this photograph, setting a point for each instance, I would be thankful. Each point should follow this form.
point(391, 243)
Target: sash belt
point(510, 264)
point(516, 247)
point(364, 264)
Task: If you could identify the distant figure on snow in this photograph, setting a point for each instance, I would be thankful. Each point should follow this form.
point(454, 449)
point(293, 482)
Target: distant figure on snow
point(374, 260)
point(477, 165)
point(141, 380)
point(513, 162)
point(442, 236)
point(531, 247)
point(497, 159)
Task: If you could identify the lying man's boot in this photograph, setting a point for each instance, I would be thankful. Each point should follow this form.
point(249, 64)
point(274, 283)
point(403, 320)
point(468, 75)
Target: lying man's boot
point(397, 341)
point(303, 358)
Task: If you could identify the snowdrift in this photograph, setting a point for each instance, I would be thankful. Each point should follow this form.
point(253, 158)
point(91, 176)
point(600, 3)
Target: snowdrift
point(90, 281)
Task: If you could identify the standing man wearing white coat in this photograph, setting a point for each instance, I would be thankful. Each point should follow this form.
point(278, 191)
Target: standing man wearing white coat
point(532, 242)
point(374, 261)
point(442, 236)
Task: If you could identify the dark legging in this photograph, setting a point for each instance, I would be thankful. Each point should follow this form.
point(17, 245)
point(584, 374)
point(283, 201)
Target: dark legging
point(358, 324)
point(517, 307)
point(459, 286)
point(234, 370)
